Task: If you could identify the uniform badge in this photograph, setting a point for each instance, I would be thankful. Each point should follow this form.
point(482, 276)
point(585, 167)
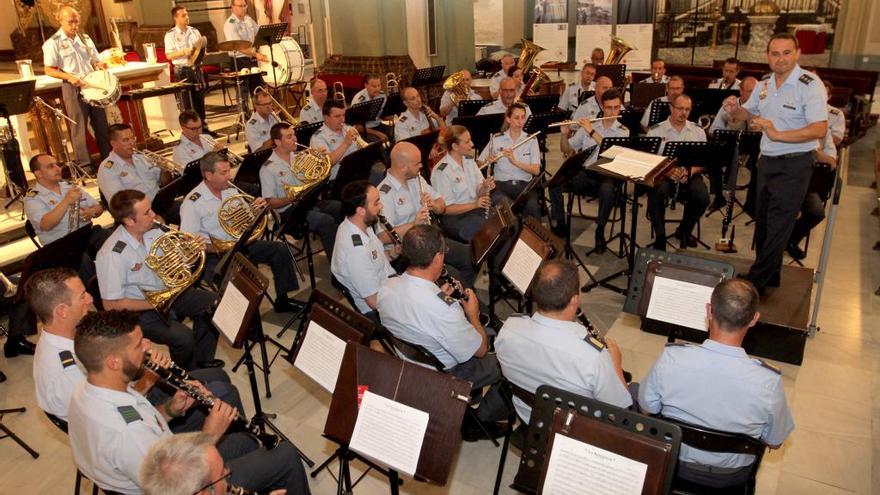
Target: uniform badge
point(123, 174)
point(445, 298)
point(119, 246)
point(66, 359)
point(32, 193)
point(137, 267)
point(252, 121)
point(403, 118)
point(64, 45)
point(108, 164)
point(263, 132)
point(129, 414)
point(332, 141)
point(401, 201)
point(281, 173)
point(385, 188)
point(375, 254)
point(442, 166)
point(194, 196)
point(458, 180)
point(51, 201)
point(806, 79)
point(763, 93)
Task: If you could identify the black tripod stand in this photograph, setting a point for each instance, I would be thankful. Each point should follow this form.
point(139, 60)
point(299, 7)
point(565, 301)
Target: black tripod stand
point(15, 99)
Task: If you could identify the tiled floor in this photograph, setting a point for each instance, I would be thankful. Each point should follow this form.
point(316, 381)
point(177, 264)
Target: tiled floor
point(834, 395)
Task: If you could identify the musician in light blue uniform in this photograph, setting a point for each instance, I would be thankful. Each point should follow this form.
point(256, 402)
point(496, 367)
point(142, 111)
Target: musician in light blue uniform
point(51, 202)
point(179, 44)
point(570, 98)
point(240, 26)
point(125, 169)
point(717, 385)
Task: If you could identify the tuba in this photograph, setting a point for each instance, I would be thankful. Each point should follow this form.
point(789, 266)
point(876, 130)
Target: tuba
point(310, 167)
point(619, 49)
point(457, 86)
point(236, 214)
point(534, 75)
point(178, 259)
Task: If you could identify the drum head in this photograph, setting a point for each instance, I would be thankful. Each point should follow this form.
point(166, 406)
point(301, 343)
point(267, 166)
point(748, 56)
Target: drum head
point(101, 88)
point(289, 63)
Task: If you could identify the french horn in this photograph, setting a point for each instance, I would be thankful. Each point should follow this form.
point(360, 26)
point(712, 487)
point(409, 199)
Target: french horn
point(235, 215)
point(178, 259)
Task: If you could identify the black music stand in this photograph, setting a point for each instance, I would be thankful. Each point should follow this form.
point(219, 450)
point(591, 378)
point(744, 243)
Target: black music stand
point(297, 213)
point(342, 322)
point(644, 93)
point(541, 103)
point(584, 96)
point(164, 200)
point(709, 100)
point(304, 132)
point(249, 170)
point(428, 75)
point(15, 99)
point(443, 396)
point(361, 113)
point(534, 235)
point(425, 143)
point(609, 427)
point(481, 127)
point(539, 121)
point(615, 72)
point(705, 154)
point(270, 34)
point(251, 284)
point(356, 166)
point(487, 243)
point(393, 105)
point(469, 108)
point(648, 145)
point(660, 111)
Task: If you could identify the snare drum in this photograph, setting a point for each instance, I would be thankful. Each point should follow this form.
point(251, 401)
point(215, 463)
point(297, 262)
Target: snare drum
point(101, 89)
point(289, 59)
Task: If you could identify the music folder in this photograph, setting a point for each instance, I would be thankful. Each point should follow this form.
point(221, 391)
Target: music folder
point(498, 226)
point(632, 165)
point(529, 250)
point(242, 289)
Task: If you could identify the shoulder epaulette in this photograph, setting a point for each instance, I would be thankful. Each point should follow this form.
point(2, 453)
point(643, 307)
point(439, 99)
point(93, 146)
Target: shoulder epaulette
point(172, 29)
point(108, 163)
point(834, 111)
point(498, 134)
point(66, 358)
point(232, 20)
point(442, 166)
point(119, 246)
point(384, 188)
point(362, 98)
point(194, 196)
point(767, 76)
point(765, 364)
point(31, 193)
point(593, 341)
point(518, 315)
point(356, 240)
point(307, 107)
point(252, 121)
point(129, 414)
point(403, 118)
point(806, 79)
point(56, 36)
point(675, 344)
point(445, 298)
point(655, 125)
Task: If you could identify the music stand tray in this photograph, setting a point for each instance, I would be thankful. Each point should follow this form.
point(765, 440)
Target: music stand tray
point(660, 111)
point(541, 103)
point(615, 72)
point(428, 75)
point(469, 108)
point(644, 93)
point(249, 170)
point(304, 132)
point(356, 166)
point(481, 127)
point(364, 112)
point(269, 34)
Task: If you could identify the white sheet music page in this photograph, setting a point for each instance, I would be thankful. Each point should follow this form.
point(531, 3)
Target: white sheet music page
point(521, 265)
point(230, 312)
point(575, 465)
point(680, 303)
point(389, 432)
point(320, 356)
point(630, 163)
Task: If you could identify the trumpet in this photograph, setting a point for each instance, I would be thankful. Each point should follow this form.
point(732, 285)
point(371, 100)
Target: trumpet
point(234, 159)
point(576, 122)
point(339, 91)
point(284, 113)
point(160, 161)
point(74, 215)
point(179, 382)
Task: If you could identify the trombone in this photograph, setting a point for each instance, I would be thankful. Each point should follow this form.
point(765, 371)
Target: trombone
point(160, 161)
point(284, 113)
point(339, 91)
point(234, 159)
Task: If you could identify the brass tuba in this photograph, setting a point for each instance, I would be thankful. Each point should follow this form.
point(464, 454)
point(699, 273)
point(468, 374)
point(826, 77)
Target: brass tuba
point(619, 49)
point(178, 259)
point(339, 91)
point(527, 55)
point(457, 86)
point(310, 167)
point(235, 215)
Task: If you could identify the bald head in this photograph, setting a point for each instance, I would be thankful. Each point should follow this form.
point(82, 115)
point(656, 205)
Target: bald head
point(411, 98)
point(406, 160)
point(746, 87)
point(603, 84)
point(68, 17)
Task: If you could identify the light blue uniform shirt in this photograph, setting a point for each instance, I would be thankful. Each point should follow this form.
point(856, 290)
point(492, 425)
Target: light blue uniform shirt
point(122, 272)
point(721, 387)
point(587, 110)
point(311, 113)
point(799, 102)
point(73, 56)
point(570, 96)
point(446, 99)
point(330, 140)
point(188, 151)
point(457, 183)
point(198, 212)
point(402, 202)
point(40, 200)
point(240, 29)
point(538, 350)
point(177, 39)
point(497, 106)
point(359, 262)
point(581, 140)
point(667, 133)
point(503, 170)
point(417, 311)
point(116, 174)
point(274, 174)
point(111, 432)
point(257, 129)
point(57, 373)
point(409, 125)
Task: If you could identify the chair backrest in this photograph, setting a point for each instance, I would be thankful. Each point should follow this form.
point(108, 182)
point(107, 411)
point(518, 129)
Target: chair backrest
point(60, 423)
point(32, 233)
point(415, 352)
point(94, 290)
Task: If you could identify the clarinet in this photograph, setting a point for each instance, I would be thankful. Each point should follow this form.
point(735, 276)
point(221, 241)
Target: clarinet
point(395, 237)
point(237, 490)
point(589, 326)
point(269, 441)
point(458, 291)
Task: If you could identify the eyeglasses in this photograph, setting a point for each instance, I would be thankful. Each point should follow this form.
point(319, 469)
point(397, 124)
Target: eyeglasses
point(195, 128)
point(682, 109)
point(226, 473)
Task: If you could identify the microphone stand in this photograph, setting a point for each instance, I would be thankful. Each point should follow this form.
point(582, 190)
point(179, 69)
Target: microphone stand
point(78, 175)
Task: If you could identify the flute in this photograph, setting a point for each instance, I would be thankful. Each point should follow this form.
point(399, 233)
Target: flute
point(575, 122)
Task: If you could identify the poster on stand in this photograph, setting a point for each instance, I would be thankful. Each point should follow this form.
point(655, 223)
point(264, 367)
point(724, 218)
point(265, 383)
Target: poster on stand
point(550, 30)
point(593, 29)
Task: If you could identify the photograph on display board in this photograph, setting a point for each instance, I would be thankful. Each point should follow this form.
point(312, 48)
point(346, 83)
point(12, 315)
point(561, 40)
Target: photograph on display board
point(551, 11)
point(593, 12)
point(635, 11)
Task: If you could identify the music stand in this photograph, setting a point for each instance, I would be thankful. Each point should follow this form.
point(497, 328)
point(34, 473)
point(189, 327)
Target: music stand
point(541, 103)
point(643, 438)
point(244, 330)
point(15, 99)
point(356, 166)
point(539, 121)
point(660, 111)
point(645, 93)
point(443, 396)
point(297, 213)
point(648, 145)
point(428, 75)
point(249, 170)
point(393, 105)
point(486, 244)
point(270, 34)
point(709, 100)
point(361, 113)
point(538, 239)
point(615, 72)
point(469, 108)
point(304, 131)
point(164, 199)
point(584, 96)
point(481, 127)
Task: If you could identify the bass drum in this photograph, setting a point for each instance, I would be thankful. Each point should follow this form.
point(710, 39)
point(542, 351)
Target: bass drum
point(101, 89)
point(289, 63)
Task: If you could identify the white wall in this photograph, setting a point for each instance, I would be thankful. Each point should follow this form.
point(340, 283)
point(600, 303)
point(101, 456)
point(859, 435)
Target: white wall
point(489, 22)
point(416, 32)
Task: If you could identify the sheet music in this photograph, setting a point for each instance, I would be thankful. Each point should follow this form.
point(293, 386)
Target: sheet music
point(631, 163)
point(680, 303)
point(320, 356)
point(230, 312)
point(389, 432)
point(521, 265)
point(575, 465)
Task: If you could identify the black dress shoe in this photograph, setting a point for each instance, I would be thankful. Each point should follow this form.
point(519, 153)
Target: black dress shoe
point(795, 251)
point(600, 245)
point(212, 363)
point(18, 346)
point(289, 306)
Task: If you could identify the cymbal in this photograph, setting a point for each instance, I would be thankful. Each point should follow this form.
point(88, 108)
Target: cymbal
point(234, 45)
